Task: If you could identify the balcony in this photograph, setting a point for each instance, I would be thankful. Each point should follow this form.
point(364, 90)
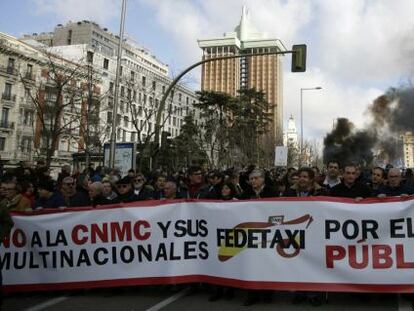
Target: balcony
point(6, 125)
point(8, 70)
point(29, 77)
point(7, 155)
point(9, 99)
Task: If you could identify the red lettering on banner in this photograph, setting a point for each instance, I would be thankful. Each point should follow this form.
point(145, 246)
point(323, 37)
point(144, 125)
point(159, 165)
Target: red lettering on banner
point(75, 236)
point(353, 257)
point(137, 230)
point(19, 238)
point(381, 257)
point(334, 252)
point(101, 233)
point(119, 233)
point(401, 263)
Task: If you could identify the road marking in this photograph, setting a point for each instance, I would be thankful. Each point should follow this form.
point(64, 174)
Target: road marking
point(404, 305)
point(169, 300)
point(47, 304)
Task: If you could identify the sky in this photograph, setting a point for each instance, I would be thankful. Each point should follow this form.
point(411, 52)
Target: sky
point(357, 49)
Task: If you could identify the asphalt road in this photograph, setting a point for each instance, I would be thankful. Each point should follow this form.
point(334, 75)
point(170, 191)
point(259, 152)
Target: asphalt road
point(161, 298)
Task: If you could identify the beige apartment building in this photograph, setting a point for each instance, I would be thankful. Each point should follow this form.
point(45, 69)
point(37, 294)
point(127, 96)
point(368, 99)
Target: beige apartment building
point(260, 72)
point(408, 149)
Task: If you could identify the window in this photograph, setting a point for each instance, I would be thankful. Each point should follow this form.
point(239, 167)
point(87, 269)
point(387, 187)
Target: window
point(145, 99)
point(163, 89)
point(120, 70)
point(118, 119)
point(122, 91)
point(133, 136)
point(126, 121)
point(154, 85)
point(2, 143)
point(134, 96)
point(179, 97)
point(89, 57)
point(111, 87)
point(29, 70)
point(144, 80)
point(10, 65)
point(106, 63)
point(132, 75)
point(123, 135)
point(4, 116)
point(7, 91)
point(109, 117)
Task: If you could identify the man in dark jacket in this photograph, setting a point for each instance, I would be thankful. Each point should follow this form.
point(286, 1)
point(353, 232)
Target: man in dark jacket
point(6, 223)
point(395, 186)
point(258, 187)
point(349, 188)
point(95, 194)
point(306, 185)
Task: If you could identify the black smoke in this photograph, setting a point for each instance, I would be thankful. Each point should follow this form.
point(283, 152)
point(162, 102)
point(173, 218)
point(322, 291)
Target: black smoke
point(392, 114)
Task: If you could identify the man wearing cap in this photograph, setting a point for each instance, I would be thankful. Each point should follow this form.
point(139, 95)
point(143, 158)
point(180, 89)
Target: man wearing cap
point(141, 191)
point(48, 197)
point(125, 191)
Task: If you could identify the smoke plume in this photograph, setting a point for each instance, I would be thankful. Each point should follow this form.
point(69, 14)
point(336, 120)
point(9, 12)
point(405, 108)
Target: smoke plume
point(391, 114)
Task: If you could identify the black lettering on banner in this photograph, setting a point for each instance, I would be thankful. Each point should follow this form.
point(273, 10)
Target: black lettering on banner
point(36, 240)
point(203, 231)
point(32, 263)
point(161, 253)
point(395, 226)
point(277, 238)
point(61, 238)
point(189, 249)
point(114, 258)
point(203, 250)
point(240, 237)
point(123, 254)
point(96, 257)
point(164, 228)
point(146, 252)
point(220, 236)
point(172, 255)
point(5, 261)
point(369, 226)
point(180, 229)
point(83, 258)
point(331, 226)
point(66, 257)
point(22, 263)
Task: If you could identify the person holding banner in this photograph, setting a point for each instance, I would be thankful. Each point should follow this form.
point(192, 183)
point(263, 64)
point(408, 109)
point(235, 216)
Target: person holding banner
point(6, 223)
point(258, 190)
point(349, 187)
point(306, 187)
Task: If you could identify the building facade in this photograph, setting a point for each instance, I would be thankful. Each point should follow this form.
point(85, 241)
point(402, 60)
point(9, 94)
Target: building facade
point(264, 73)
point(408, 149)
point(143, 81)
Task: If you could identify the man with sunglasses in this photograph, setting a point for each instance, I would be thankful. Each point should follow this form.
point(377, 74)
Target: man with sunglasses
point(140, 190)
point(72, 197)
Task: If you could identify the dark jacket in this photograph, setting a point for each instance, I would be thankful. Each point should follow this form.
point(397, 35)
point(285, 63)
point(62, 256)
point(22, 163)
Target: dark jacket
point(6, 222)
point(78, 199)
point(317, 190)
point(355, 191)
point(99, 200)
point(395, 191)
point(267, 192)
point(55, 201)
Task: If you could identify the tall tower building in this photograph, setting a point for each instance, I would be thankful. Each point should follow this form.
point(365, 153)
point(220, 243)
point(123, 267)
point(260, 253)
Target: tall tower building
point(260, 72)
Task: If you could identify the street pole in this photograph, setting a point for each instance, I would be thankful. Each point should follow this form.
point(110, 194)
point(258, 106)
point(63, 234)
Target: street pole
point(117, 76)
point(301, 119)
point(175, 81)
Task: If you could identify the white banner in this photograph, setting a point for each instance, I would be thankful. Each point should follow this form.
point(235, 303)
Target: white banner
point(323, 244)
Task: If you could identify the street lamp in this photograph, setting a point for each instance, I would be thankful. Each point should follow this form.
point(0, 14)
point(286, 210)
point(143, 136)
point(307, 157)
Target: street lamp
point(301, 118)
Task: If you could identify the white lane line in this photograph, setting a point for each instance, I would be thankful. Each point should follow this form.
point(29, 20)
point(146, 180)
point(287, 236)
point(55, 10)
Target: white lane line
point(404, 305)
point(169, 300)
point(47, 304)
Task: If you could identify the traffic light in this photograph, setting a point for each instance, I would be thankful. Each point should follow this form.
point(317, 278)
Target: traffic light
point(299, 58)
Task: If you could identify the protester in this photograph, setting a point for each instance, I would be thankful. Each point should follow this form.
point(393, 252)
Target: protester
point(108, 191)
point(48, 197)
point(333, 175)
point(72, 197)
point(394, 186)
point(96, 194)
point(349, 188)
point(170, 191)
point(13, 199)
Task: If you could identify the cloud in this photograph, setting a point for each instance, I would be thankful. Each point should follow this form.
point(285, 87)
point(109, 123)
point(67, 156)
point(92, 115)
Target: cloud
point(101, 11)
point(322, 107)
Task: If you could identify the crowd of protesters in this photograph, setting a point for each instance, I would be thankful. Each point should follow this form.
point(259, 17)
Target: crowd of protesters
point(28, 188)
